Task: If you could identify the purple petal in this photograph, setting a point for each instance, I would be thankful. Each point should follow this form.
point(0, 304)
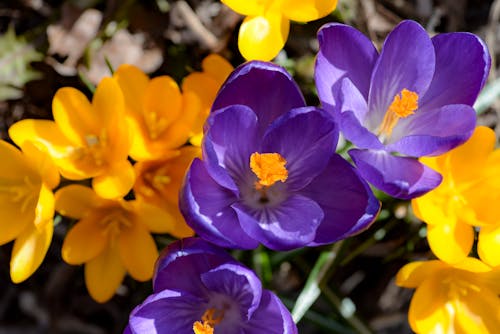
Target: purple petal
point(237, 282)
point(306, 138)
point(434, 132)
point(167, 311)
point(400, 177)
point(267, 89)
point(272, 317)
point(353, 109)
point(407, 61)
point(347, 201)
point(462, 67)
point(344, 52)
point(180, 265)
point(291, 224)
point(230, 139)
point(206, 206)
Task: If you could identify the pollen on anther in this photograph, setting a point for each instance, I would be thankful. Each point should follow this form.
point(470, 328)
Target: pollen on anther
point(269, 168)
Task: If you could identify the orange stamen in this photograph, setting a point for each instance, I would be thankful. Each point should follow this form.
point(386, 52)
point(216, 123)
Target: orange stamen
point(403, 105)
point(208, 322)
point(269, 168)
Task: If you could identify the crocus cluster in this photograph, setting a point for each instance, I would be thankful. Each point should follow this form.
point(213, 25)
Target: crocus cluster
point(239, 158)
point(128, 141)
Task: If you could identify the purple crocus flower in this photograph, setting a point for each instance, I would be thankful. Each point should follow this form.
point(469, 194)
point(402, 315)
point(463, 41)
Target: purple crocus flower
point(198, 288)
point(413, 99)
point(269, 172)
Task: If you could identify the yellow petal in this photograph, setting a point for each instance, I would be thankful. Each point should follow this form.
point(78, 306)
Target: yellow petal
point(153, 218)
point(44, 132)
point(104, 274)
point(86, 240)
point(44, 208)
point(217, 68)
point(432, 209)
point(478, 312)
point(15, 165)
point(116, 182)
point(108, 104)
point(468, 159)
point(133, 83)
point(180, 229)
point(74, 115)
point(262, 37)
point(414, 273)
point(138, 251)
point(488, 246)
point(449, 241)
point(43, 164)
point(161, 105)
point(307, 10)
point(75, 201)
point(247, 7)
point(177, 134)
point(428, 313)
point(29, 251)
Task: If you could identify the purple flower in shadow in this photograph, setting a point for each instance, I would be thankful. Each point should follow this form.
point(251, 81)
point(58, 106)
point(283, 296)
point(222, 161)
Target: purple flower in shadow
point(198, 288)
point(269, 173)
point(413, 99)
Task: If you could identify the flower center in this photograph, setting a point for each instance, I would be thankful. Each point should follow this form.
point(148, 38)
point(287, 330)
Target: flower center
point(208, 321)
point(114, 222)
point(269, 168)
point(403, 105)
point(26, 193)
point(155, 124)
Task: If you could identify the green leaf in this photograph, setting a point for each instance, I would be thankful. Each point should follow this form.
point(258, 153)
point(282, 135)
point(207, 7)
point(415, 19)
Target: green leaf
point(15, 58)
point(488, 96)
point(312, 289)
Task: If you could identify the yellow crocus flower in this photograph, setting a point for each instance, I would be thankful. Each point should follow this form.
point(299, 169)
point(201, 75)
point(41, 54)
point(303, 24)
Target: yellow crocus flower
point(85, 140)
point(111, 237)
point(265, 29)
point(26, 206)
point(460, 298)
point(466, 198)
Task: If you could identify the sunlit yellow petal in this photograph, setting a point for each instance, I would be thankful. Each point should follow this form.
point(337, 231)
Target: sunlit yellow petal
point(116, 182)
point(180, 229)
point(85, 241)
point(478, 312)
point(153, 218)
point(449, 241)
point(74, 115)
point(467, 160)
point(262, 37)
point(108, 104)
point(75, 201)
point(138, 251)
point(427, 313)
point(247, 7)
point(29, 251)
point(104, 274)
point(44, 208)
point(431, 208)
point(414, 273)
point(44, 132)
point(43, 164)
point(488, 245)
point(15, 166)
point(307, 10)
point(133, 83)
